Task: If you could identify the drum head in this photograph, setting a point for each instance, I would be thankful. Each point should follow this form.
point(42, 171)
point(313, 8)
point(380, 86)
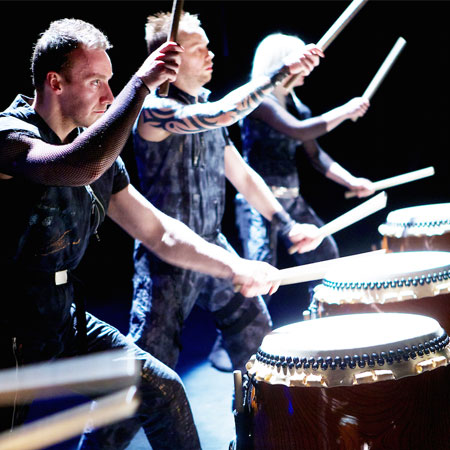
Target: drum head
point(425, 220)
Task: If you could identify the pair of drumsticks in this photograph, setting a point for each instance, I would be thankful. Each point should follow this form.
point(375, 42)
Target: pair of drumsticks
point(112, 373)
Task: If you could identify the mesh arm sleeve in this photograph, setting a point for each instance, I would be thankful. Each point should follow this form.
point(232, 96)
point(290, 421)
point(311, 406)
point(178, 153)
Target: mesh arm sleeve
point(87, 157)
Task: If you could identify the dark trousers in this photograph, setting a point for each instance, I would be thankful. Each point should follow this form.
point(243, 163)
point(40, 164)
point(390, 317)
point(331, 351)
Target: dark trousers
point(164, 412)
point(164, 296)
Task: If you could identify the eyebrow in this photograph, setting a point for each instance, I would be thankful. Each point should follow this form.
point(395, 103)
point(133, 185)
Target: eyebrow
point(98, 75)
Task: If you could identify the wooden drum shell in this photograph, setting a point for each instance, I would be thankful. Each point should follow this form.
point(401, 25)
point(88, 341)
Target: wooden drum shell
point(361, 381)
point(412, 412)
point(401, 282)
point(416, 243)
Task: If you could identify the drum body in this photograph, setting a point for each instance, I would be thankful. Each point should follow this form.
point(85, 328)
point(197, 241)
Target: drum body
point(381, 382)
point(409, 282)
point(425, 227)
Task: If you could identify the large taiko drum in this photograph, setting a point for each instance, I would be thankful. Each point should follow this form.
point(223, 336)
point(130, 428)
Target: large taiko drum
point(425, 227)
point(362, 381)
point(410, 282)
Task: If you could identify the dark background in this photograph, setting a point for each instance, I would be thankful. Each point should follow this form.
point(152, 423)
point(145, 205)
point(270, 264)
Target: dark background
point(405, 129)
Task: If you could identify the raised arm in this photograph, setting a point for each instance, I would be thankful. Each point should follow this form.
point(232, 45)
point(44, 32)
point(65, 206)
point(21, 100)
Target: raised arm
point(93, 151)
point(272, 113)
point(160, 117)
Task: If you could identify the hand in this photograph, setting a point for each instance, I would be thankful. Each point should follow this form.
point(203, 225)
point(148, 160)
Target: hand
point(362, 187)
point(253, 278)
point(161, 65)
point(356, 108)
point(304, 237)
point(304, 62)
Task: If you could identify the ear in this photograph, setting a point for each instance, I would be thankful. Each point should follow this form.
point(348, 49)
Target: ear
point(54, 81)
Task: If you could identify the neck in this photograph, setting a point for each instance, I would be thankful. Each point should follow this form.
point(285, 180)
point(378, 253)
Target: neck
point(280, 94)
point(189, 88)
point(50, 112)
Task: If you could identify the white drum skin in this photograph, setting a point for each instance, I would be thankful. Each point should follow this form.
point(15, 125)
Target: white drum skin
point(388, 390)
point(409, 282)
point(425, 227)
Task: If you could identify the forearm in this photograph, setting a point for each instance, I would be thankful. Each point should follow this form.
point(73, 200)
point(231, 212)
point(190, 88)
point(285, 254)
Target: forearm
point(95, 150)
point(340, 175)
point(83, 160)
point(168, 238)
point(278, 118)
point(174, 117)
point(258, 194)
point(335, 117)
point(180, 246)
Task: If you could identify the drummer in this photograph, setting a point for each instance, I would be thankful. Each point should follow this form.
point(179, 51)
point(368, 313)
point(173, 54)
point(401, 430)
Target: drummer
point(271, 137)
point(184, 156)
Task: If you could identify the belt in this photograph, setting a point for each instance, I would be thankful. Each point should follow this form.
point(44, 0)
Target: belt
point(61, 277)
point(285, 192)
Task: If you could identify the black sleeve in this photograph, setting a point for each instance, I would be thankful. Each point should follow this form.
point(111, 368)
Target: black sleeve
point(83, 160)
point(281, 120)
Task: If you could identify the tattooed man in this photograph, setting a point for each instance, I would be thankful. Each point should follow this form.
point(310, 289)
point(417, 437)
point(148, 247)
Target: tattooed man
point(184, 156)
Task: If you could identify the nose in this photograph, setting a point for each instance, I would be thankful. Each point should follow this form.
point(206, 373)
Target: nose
point(107, 97)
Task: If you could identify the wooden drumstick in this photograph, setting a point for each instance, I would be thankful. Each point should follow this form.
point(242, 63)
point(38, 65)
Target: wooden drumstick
point(177, 9)
point(95, 373)
point(397, 180)
point(317, 271)
point(334, 31)
point(67, 424)
point(354, 215)
point(384, 68)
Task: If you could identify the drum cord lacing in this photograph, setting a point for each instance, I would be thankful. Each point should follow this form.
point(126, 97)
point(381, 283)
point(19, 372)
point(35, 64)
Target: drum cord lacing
point(435, 223)
point(395, 283)
point(355, 361)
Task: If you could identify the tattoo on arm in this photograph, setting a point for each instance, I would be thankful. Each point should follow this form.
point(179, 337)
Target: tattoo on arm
point(183, 119)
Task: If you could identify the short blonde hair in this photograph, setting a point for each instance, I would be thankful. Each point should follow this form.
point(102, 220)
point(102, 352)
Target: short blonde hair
point(271, 52)
point(157, 28)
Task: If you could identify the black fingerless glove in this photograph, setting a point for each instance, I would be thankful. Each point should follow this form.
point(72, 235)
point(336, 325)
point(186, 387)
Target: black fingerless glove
point(282, 222)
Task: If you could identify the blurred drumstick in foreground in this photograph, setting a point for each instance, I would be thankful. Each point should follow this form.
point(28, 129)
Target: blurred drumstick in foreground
point(335, 29)
point(354, 215)
point(91, 374)
point(397, 180)
point(177, 8)
point(384, 68)
point(316, 271)
point(68, 424)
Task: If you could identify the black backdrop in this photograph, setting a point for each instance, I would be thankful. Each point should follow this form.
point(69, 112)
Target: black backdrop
point(405, 129)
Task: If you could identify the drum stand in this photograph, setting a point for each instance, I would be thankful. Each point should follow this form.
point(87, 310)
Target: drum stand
point(241, 412)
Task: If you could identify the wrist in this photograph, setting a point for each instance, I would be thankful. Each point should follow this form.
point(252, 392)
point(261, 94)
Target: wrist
point(282, 221)
point(278, 77)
